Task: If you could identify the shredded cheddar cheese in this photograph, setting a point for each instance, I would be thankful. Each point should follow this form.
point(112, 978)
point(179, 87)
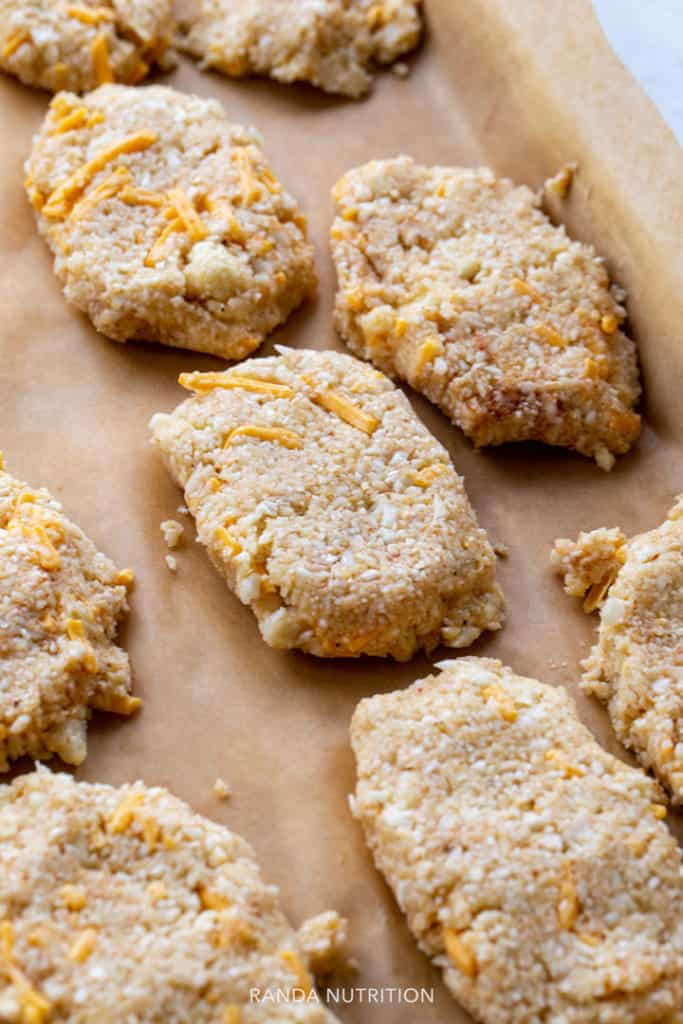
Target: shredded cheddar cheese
point(124, 814)
point(429, 350)
point(66, 194)
point(506, 705)
point(225, 538)
point(294, 962)
point(79, 117)
point(524, 288)
point(185, 210)
point(377, 16)
point(91, 15)
point(429, 474)
point(232, 1015)
point(157, 250)
point(459, 953)
point(61, 73)
point(118, 704)
point(34, 1008)
point(211, 900)
point(133, 196)
point(597, 592)
point(570, 771)
point(84, 946)
point(204, 382)
point(105, 190)
point(609, 324)
point(125, 578)
point(99, 51)
point(346, 411)
point(287, 438)
point(220, 206)
point(15, 40)
point(249, 186)
point(73, 897)
point(549, 334)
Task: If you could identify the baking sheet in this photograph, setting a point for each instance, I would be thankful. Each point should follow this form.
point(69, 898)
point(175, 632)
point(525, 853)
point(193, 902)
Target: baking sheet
point(513, 85)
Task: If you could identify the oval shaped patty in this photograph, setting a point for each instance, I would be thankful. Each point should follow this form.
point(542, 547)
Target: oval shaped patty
point(165, 220)
point(94, 876)
point(331, 510)
point(81, 45)
point(456, 281)
point(532, 866)
point(331, 43)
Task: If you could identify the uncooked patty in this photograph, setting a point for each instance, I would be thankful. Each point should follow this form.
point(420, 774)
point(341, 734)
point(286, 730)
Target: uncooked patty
point(60, 604)
point(455, 281)
point(165, 220)
point(59, 45)
point(330, 509)
point(122, 905)
point(636, 666)
point(331, 43)
point(532, 865)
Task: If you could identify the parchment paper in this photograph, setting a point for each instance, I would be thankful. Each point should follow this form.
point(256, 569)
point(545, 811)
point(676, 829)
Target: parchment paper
point(524, 87)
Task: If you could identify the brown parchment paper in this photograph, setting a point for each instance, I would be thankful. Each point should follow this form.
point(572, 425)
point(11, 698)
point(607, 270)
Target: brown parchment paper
point(524, 87)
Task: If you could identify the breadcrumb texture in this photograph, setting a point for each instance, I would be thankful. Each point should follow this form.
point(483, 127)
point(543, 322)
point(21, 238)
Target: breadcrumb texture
point(333, 44)
point(590, 564)
point(530, 863)
point(78, 46)
point(122, 904)
point(457, 282)
point(330, 509)
point(165, 220)
point(636, 666)
point(323, 940)
point(60, 604)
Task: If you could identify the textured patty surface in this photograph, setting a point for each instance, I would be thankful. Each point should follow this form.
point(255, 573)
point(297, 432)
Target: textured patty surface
point(60, 604)
point(165, 221)
point(331, 511)
point(122, 905)
point(636, 666)
point(331, 43)
point(455, 281)
point(531, 864)
point(59, 45)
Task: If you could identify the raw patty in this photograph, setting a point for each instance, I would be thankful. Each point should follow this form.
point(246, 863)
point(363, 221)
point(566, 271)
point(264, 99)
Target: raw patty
point(60, 604)
point(636, 666)
point(531, 864)
point(60, 45)
point(331, 43)
point(329, 508)
point(166, 221)
point(455, 281)
point(122, 905)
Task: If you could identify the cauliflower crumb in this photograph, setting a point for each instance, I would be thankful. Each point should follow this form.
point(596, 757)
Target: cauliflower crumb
point(222, 789)
point(400, 69)
point(590, 564)
point(560, 184)
point(172, 531)
point(215, 273)
point(172, 563)
point(322, 940)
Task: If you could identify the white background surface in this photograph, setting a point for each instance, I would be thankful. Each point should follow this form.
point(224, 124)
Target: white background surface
point(648, 37)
